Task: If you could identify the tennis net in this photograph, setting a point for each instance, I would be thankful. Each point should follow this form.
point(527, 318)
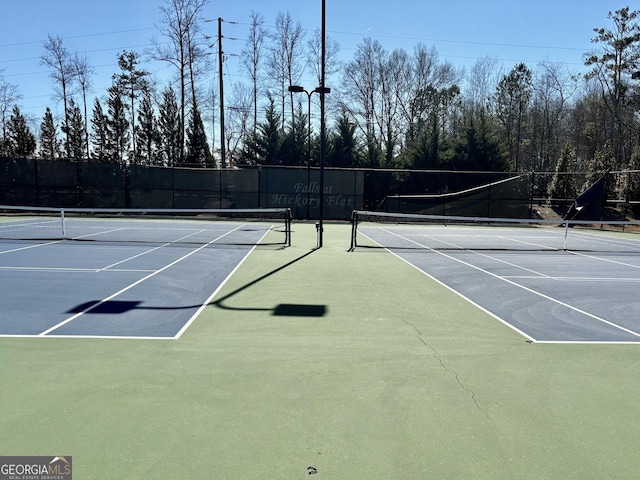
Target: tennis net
point(198, 226)
point(436, 232)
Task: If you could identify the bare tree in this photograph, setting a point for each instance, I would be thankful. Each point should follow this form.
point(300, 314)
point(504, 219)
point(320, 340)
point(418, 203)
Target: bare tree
point(82, 72)
point(424, 76)
point(286, 59)
point(553, 87)
point(482, 81)
point(180, 21)
point(390, 70)
point(360, 79)
point(332, 63)
point(251, 58)
point(196, 52)
point(209, 111)
point(238, 118)
point(57, 58)
point(9, 96)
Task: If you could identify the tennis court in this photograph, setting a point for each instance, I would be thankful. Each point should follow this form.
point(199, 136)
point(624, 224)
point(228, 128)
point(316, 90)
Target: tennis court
point(550, 283)
point(326, 363)
point(143, 274)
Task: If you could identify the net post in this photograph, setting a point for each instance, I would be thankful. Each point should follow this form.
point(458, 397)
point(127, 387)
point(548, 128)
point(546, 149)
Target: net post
point(287, 227)
point(63, 236)
point(566, 232)
point(354, 226)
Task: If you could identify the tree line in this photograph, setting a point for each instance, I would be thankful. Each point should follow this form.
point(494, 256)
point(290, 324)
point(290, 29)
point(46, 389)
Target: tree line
point(386, 109)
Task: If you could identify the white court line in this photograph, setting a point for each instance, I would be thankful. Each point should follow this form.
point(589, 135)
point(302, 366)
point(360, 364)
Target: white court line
point(101, 232)
point(97, 270)
point(215, 292)
point(539, 274)
point(29, 246)
point(71, 269)
point(104, 300)
point(533, 244)
point(631, 244)
point(544, 275)
point(579, 279)
point(504, 279)
point(154, 249)
point(108, 267)
point(110, 337)
point(608, 260)
point(520, 267)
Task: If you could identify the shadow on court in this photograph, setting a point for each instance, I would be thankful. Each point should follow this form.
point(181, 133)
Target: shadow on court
point(109, 307)
point(115, 307)
point(285, 309)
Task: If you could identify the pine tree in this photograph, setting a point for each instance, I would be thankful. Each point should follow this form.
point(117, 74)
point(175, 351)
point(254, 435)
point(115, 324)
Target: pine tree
point(294, 144)
point(601, 164)
point(99, 133)
point(197, 147)
point(49, 142)
point(343, 149)
point(5, 146)
point(117, 127)
point(22, 143)
point(480, 148)
point(264, 147)
point(147, 135)
point(74, 130)
point(170, 128)
point(425, 153)
point(563, 185)
point(513, 94)
point(130, 82)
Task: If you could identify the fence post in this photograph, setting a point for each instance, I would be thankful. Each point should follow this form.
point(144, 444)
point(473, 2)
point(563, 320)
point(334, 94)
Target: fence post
point(532, 193)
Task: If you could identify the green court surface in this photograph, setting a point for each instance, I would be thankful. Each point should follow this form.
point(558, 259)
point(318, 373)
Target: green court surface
point(353, 363)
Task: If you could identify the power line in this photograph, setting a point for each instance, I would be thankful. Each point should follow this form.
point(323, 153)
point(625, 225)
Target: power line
point(114, 32)
point(426, 39)
point(99, 50)
point(463, 42)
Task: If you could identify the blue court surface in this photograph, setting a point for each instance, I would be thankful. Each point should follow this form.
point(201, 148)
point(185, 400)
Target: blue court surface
point(106, 289)
point(549, 296)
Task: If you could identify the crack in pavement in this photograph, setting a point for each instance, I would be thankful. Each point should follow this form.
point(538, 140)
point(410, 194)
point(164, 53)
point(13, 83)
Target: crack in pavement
point(437, 356)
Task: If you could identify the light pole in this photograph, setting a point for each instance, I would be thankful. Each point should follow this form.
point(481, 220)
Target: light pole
point(299, 89)
point(322, 123)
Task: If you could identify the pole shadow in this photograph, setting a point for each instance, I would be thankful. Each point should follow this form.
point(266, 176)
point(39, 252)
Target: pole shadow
point(116, 307)
point(284, 309)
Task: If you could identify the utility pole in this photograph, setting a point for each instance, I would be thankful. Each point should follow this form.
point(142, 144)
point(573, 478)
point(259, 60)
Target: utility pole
point(220, 60)
point(322, 125)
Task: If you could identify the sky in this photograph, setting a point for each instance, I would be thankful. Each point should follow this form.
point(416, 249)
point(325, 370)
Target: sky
point(462, 31)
